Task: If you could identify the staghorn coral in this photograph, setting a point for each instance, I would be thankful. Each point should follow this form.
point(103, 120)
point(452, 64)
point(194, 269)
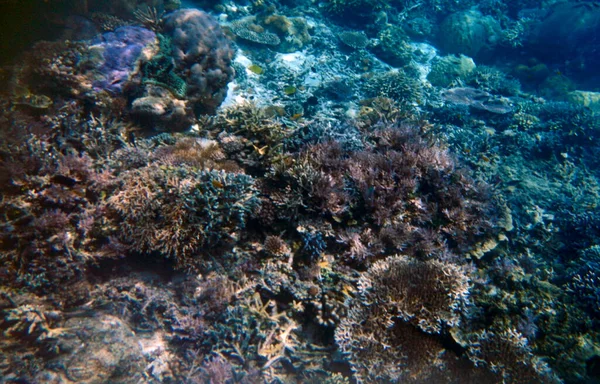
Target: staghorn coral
point(262, 341)
point(179, 211)
point(54, 222)
point(398, 300)
point(317, 292)
point(380, 352)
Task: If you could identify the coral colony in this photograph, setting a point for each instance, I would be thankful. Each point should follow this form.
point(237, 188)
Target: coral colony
point(344, 191)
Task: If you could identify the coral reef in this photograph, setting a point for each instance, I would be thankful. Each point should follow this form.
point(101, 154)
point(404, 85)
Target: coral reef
point(347, 205)
point(393, 46)
point(247, 29)
point(381, 187)
point(449, 70)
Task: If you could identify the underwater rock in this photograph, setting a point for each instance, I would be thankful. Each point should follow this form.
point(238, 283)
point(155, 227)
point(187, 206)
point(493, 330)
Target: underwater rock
point(96, 350)
point(354, 40)
point(469, 33)
point(160, 110)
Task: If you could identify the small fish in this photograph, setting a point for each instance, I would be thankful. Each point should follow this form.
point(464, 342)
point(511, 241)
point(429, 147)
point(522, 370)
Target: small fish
point(22, 96)
point(261, 151)
point(256, 69)
point(38, 101)
point(289, 90)
point(296, 116)
point(217, 184)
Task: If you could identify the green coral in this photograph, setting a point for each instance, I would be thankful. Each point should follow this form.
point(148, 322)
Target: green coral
point(160, 70)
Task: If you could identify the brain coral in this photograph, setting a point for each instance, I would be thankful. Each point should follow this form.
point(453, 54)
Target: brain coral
point(203, 54)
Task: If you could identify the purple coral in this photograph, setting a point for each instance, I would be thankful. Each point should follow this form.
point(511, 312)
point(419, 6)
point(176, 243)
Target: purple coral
point(120, 51)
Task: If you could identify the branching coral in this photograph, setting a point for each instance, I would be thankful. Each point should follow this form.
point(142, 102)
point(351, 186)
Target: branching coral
point(396, 85)
point(428, 294)
point(250, 135)
point(178, 211)
point(410, 191)
point(53, 217)
point(398, 299)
